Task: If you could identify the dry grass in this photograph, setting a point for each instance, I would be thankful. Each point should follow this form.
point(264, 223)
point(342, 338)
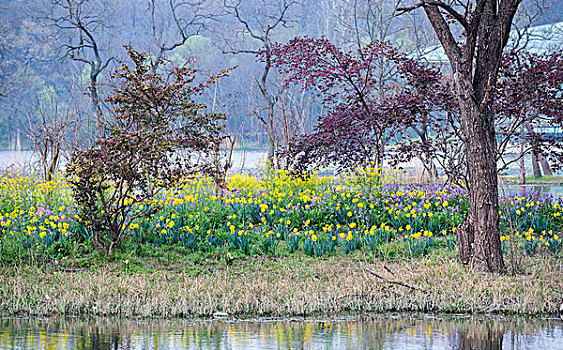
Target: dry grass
point(280, 288)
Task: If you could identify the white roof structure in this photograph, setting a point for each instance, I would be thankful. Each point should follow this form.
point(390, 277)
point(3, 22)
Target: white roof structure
point(539, 39)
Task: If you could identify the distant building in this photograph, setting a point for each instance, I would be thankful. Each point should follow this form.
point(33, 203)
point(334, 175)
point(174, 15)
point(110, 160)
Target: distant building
point(539, 39)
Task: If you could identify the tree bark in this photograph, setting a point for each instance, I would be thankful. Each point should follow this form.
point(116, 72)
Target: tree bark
point(478, 238)
point(545, 165)
point(535, 166)
point(475, 65)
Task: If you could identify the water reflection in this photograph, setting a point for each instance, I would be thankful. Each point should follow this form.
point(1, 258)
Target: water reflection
point(26, 161)
point(376, 333)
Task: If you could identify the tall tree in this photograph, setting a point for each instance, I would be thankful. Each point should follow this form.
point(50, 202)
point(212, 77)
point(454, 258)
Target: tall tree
point(80, 24)
point(259, 27)
point(475, 60)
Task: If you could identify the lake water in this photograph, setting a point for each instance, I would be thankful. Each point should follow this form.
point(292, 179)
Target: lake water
point(555, 190)
point(381, 332)
point(27, 161)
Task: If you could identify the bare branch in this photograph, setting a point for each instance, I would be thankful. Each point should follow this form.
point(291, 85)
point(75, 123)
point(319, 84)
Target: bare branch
point(400, 283)
point(459, 17)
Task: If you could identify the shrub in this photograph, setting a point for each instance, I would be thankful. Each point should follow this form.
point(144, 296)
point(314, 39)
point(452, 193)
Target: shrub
point(152, 144)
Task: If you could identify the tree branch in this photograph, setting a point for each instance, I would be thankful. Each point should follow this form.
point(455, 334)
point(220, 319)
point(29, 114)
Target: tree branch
point(400, 283)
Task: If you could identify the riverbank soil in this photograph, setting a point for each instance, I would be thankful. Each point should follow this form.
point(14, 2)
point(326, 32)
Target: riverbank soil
point(193, 286)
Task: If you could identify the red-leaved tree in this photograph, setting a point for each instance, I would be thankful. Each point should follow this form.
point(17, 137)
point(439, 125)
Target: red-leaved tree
point(529, 110)
point(368, 96)
point(529, 107)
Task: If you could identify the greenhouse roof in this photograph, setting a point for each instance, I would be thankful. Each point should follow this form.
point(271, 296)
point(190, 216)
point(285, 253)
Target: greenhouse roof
point(539, 39)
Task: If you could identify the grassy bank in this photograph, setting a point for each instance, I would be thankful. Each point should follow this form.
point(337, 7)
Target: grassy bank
point(531, 180)
point(273, 245)
point(179, 286)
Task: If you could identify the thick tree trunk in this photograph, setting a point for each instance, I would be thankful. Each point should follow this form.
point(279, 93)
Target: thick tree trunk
point(536, 166)
point(478, 238)
point(475, 66)
point(545, 165)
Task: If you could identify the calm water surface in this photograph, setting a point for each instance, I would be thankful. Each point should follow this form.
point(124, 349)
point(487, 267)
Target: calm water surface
point(26, 160)
point(384, 332)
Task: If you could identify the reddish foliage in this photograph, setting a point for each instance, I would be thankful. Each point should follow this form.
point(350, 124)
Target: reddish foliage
point(368, 96)
point(153, 142)
point(529, 95)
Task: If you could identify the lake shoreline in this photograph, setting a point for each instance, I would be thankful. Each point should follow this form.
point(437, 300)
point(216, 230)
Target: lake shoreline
point(279, 288)
point(298, 319)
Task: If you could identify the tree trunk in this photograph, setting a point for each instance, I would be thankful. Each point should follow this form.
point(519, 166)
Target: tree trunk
point(478, 238)
point(429, 171)
point(475, 67)
point(52, 166)
point(522, 179)
point(269, 100)
point(536, 166)
point(96, 105)
point(270, 132)
point(433, 172)
point(545, 165)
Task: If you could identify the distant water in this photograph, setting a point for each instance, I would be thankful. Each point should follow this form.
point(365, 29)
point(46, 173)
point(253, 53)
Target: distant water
point(243, 161)
point(382, 332)
point(555, 190)
point(27, 161)
point(15, 161)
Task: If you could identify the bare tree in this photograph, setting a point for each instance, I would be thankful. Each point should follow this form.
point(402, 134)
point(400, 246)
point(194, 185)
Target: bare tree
point(49, 134)
point(173, 22)
point(298, 108)
point(258, 27)
point(79, 24)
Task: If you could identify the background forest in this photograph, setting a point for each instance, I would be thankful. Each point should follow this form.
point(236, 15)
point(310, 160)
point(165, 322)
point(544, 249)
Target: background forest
point(56, 57)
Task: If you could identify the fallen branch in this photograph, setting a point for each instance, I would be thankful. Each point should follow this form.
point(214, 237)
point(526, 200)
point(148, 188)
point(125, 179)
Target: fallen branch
point(401, 283)
point(386, 268)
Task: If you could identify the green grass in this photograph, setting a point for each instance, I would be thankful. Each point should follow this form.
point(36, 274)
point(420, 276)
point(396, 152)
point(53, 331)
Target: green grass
point(548, 179)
